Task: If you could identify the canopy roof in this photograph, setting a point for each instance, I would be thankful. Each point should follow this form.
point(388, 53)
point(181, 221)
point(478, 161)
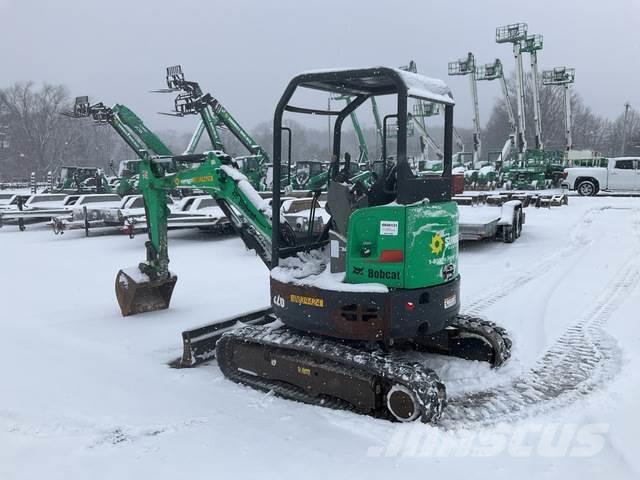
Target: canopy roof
point(375, 81)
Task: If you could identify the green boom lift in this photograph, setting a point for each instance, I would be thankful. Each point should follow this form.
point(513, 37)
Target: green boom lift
point(382, 279)
point(535, 168)
point(135, 134)
point(193, 101)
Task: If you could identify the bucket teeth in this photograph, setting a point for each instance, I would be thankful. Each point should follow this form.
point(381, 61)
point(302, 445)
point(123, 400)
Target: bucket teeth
point(137, 293)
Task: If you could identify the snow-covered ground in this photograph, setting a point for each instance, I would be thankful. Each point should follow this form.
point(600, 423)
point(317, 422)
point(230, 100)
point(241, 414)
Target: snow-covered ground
point(87, 394)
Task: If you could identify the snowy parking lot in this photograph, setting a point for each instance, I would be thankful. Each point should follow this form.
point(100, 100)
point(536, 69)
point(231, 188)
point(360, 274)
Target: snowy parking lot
point(88, 394)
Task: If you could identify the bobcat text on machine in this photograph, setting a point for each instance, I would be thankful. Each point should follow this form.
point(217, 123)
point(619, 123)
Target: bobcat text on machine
point(381, 279)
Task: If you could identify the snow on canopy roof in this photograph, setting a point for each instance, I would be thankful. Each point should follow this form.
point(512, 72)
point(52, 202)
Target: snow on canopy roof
point(378, 80)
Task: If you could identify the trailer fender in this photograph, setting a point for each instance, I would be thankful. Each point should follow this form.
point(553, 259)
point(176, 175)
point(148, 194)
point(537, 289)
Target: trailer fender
point(508, 212)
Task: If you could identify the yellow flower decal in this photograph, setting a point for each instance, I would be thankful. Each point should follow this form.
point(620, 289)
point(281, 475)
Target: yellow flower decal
point(437, 244)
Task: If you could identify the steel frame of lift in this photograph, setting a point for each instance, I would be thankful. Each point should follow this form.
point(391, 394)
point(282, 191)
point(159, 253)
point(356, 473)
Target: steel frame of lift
point(467, 66)
point(564, 77)
point(515, 33)
point(531, 45)
point(534, 168)
point(495, 71)
point(544, 165)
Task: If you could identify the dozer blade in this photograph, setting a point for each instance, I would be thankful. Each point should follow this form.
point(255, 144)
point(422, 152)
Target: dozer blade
point(137, 293)
point(199, 344)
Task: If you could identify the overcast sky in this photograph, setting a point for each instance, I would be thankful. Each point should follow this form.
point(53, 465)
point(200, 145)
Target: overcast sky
point(245, 51)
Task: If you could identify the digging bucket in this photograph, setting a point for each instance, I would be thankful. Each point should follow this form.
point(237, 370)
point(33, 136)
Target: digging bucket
point(137, 293)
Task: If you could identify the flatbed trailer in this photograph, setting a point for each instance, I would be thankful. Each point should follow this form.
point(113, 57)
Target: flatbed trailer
point(42, 208)
point(129, 217)
point(499, 215)
point(479, 222)
point(499, 222)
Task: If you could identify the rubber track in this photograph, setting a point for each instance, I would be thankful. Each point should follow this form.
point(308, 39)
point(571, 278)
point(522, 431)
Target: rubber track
point(424, 383)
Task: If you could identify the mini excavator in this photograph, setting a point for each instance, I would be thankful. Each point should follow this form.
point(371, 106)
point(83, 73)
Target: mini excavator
point(356, 310)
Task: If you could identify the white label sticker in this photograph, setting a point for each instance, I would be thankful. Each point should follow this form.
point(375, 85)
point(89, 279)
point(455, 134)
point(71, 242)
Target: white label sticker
point(388, 228)
point(450, 301)
point(335, 249)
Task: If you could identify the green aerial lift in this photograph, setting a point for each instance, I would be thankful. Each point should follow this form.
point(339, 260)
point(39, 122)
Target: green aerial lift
point(193, 101)
point(126, 123)
point(135, 134)
point(381, 279)
point(535, 168)
point(495, 71)
point(564, 77)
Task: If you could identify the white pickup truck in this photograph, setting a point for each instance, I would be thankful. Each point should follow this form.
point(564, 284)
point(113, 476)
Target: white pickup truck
point(620, 174)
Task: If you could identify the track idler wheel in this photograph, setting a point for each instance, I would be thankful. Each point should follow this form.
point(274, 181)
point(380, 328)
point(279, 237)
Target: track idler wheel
point(402, 403)
point(137, 293)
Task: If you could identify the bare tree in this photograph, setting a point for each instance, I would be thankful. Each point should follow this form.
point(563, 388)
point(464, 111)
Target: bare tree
point(42, 140)
point(589, 131)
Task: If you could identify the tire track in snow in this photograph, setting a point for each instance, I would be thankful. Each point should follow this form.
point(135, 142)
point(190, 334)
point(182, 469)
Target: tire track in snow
point(92, 434)
point(579, 362)
point(579, 239)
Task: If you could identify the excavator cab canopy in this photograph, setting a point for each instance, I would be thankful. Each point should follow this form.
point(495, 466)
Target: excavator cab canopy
point(360, 85)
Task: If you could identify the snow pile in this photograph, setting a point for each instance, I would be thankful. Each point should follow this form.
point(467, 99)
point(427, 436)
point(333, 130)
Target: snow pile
point(311, 270)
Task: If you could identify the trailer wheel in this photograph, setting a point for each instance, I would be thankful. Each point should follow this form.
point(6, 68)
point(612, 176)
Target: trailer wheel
point(510, 232)
point(518, 225)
